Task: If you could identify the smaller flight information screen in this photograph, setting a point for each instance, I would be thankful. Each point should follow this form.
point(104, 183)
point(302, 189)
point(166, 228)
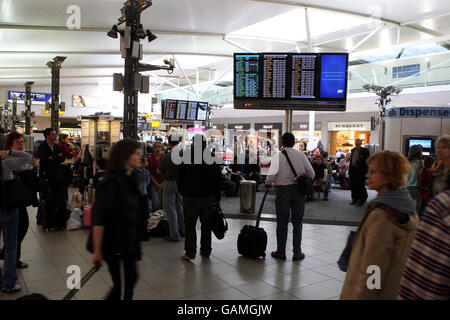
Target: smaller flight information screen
point(171, 109)
point(274, 75)
point(303, 84)
point(192, 111)
point(246, 75)
point(181, 109)
point(202, 111)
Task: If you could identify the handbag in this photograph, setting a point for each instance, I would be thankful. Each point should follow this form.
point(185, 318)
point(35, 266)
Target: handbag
point(345, 255)
point(304, 184)
point(219, 223)
point(13, 194)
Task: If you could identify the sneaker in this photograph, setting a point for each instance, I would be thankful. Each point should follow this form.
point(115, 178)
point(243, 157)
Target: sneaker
point(277, 255)
point(186, 257)
point(297, 257)
point(15, 289)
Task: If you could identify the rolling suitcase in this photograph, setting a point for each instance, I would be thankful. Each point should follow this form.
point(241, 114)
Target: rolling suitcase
point(87, 209)
point(54, 214)
point(252, 240)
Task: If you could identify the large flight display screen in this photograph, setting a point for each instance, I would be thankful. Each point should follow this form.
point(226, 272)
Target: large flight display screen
point(333, 76)
point(247, 75)
point(274, 75)
point(298, 81)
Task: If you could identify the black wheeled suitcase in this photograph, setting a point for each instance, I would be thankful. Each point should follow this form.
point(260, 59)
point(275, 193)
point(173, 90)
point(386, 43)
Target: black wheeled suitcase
point(53, 214)
point(252, 241)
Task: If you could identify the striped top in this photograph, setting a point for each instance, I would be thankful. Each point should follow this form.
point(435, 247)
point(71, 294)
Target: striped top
point(427, 270)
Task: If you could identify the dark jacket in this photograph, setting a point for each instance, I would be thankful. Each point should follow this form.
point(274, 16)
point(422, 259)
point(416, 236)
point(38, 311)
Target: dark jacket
point(361, 163)
point(116, 208)
point(50, 162)
point(199, 180)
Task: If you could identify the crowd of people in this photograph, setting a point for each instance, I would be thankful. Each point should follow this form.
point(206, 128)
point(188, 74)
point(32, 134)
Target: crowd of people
point(410, 209)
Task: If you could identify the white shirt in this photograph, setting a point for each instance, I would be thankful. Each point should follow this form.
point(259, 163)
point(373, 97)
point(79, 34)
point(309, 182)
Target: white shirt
point(281, 172)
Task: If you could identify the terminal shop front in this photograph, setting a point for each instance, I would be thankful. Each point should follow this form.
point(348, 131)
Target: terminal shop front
point(342, 135)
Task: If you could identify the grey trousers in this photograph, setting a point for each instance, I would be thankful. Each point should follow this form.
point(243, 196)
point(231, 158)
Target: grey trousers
point(289, 203)
point(173, 207)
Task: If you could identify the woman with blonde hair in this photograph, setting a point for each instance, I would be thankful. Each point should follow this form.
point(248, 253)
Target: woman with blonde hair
point(382, 242)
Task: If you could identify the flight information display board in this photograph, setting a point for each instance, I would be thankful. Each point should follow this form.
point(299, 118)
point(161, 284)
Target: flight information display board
point(297, 81)
point(274, 75)
point(182, 110)
point(192, 111)
point(303, 84)
point(202, 110)
point(171, 110)
point(246, 74)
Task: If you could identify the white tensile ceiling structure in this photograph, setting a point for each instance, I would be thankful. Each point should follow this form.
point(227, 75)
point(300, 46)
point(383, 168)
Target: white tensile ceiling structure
point(204, 34)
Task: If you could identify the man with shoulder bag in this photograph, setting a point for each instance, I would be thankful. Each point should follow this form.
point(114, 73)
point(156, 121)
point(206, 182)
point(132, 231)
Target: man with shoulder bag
point(293, 173)
point(199, 184)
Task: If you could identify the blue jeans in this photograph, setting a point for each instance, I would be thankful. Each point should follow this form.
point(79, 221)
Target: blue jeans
point(173, 207)
point(156, 200)
point(289, 203)
point(9, 225)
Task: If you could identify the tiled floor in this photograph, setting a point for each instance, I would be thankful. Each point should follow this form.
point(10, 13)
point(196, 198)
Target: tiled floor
point(163, 275)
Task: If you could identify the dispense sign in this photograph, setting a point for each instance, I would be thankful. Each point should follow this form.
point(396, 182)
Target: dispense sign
point(418, 112)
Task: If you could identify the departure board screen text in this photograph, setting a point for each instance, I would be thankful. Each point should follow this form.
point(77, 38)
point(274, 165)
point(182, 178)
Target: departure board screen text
point(246, 77)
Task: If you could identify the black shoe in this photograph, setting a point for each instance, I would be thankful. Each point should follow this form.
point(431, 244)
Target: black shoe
point(361, 203)
point(353, 202)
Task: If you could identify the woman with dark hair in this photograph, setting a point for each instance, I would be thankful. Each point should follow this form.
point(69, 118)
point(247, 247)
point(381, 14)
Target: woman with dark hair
point(157, 178)
point(441, 174)
point(10, 160)
point(425, 181)
point(116, 219)
point(15, 141)
point(415, 159)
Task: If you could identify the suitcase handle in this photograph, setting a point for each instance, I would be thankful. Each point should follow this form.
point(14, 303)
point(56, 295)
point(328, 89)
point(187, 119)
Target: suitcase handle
point(85, 279)
point(258, 218)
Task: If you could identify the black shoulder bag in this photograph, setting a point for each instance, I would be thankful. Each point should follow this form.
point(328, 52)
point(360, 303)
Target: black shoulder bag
point(304, 184)
point(13, 194)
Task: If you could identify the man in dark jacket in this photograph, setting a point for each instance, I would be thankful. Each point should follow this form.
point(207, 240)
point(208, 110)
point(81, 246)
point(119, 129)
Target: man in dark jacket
point(358, 170)
point(50, 158)
point(199, 184)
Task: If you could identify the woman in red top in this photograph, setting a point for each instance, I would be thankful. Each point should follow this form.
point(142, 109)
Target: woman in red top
point(67, 166)
point(156, 177)
point(424, 177)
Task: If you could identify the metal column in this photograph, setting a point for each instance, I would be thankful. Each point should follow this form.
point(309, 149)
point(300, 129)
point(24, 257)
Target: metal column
point(14, 114)
point(130, 96)
point(288, 120)
point(55, 66)
point(27, 112)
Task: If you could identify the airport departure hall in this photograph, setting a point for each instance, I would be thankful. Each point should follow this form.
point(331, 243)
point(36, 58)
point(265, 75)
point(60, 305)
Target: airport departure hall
point(224, 150)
